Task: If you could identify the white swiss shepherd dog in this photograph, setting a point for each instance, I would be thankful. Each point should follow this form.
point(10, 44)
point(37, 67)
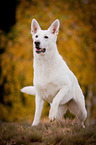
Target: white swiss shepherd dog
point(54, 82)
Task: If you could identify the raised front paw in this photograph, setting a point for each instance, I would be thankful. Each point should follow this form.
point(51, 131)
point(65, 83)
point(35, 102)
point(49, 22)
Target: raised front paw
point(53, 113)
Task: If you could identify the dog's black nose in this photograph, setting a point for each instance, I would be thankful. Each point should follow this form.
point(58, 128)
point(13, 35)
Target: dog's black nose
point(37, 43)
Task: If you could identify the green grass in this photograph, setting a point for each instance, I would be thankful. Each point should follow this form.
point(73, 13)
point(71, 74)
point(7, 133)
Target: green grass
point(55, 133)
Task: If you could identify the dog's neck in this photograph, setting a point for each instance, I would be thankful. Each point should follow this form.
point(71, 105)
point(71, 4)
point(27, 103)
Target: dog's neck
point(46, 62)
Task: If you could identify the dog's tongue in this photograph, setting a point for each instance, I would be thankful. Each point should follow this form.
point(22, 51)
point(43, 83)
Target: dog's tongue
point(40, 50)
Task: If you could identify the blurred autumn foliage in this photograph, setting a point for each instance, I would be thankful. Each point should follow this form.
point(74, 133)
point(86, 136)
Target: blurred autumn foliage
point(76, 43)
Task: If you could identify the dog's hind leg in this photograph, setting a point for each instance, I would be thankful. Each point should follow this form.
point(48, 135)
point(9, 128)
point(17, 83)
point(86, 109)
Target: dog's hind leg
point(76, 110)
point(79, 99)
point(61, 111)
point(29, 90)
point(73, 107)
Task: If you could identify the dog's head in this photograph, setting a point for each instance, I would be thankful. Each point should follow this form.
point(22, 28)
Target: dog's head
point(44, 40)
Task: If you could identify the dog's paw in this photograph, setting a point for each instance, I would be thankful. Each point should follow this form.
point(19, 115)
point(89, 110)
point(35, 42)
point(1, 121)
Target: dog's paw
point(53, 113)
point(35, 123)
point(83, 125)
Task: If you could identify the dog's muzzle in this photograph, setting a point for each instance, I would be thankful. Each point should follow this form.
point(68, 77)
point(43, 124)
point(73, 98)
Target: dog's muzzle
point(38, 49)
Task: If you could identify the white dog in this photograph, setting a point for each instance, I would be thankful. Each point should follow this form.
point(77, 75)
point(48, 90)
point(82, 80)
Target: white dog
point(53, 80)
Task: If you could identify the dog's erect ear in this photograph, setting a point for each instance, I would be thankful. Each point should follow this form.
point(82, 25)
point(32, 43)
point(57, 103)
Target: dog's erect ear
point(34, 26)
point(54, 28)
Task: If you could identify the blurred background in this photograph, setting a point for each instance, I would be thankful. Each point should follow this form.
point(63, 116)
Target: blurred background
point(76, 43)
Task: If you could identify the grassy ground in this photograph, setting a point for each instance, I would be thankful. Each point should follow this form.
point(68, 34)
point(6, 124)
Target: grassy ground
point(55, 133)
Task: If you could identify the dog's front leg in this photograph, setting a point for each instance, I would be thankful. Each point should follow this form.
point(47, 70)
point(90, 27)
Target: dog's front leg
point(39, 102)
point(59, 99)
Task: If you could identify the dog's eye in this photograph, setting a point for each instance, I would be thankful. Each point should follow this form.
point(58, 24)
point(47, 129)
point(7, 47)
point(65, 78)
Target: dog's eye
point(46, 37)
point(36, 36)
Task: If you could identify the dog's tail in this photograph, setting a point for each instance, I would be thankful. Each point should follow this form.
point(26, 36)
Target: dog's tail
point(29, 90)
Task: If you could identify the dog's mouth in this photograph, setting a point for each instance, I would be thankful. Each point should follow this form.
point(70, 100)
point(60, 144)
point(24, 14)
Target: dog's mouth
point(40, 50)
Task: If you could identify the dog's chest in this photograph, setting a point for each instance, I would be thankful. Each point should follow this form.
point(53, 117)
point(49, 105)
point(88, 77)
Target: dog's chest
point(48, 91)
point(43, 80)
point(43, 72)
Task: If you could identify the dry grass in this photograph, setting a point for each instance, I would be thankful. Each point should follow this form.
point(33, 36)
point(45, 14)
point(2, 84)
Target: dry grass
point(56, 133)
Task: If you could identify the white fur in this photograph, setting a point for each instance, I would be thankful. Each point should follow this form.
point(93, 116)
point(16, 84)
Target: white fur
point(53, 80)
